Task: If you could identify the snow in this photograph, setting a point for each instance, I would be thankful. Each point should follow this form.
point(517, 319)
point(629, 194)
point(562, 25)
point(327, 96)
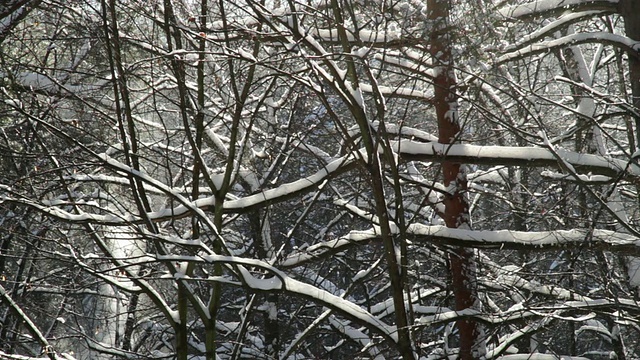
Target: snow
point(299, 144)
point(281, 281)
point(315, 250)
point(517, 155)
point(507, 279)
point(592, 179)
point(496, 174)
point(633, 265)
point(334, 168)
point(357, 336)
point(446, 316)
point(47, 84)
point(15, 103)
point(321, 282)
point(217, 180)
point(246, 55)
point(602, 96)
point(530, 238)
point(598, 327)
point(554, 25)
point(186, 204)
point(357, 96)
point(419, 64)
point(537, 356)
point(6, 356)
point(7, 21)
point(476, 238)
point(270, 309)
point(569, 40)
point(360, 52)
point(364, 35)
point(363, 273)
point(363, 87)
point(111, 179)
point(470, 153)
point(400, 92)
point(542, 6)
point(23, 317)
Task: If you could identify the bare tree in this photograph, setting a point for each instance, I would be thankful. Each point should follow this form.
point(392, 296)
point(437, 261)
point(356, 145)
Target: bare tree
point(324, 179)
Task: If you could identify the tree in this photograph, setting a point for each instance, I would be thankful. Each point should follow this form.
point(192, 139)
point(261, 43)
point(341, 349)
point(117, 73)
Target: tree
point(324, 179)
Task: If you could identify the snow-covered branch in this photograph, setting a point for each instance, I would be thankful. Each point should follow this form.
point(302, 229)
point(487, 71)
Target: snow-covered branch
point(620, 41)
point(484, 239)
point(546, 7)
point(517, 156)
point(283, 282)
point(549, 29)
point(407, 149)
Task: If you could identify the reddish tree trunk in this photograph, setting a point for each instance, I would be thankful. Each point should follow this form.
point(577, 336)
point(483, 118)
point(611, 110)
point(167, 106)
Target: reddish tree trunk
point(456, 213)
point(630, 11)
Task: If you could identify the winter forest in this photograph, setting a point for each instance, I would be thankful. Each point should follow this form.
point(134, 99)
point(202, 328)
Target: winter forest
point(319, 179)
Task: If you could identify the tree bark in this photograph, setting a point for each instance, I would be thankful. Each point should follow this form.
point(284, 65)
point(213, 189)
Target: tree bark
point(630, 9)
point(456, 213)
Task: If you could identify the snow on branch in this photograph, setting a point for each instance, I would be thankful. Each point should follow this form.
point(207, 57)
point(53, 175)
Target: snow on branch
point(287, 190)
point(357, 336)
point(399, 92)
point(552, 27)
point(368, 37)
point(325, 248)
point(545, 7)
point(33, 329)
point(517, 156)
point(556, 311)
point(614, 101)
point(487, 239)
point(588, 179)
point(6, 356)
point(498, 239)
point(48, 85)
point(571, 40)
point(282, 282)
point(405, 148)
point(278, 194)
point(538, 356)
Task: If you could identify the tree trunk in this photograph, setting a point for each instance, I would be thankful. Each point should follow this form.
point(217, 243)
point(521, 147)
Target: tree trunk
point(456, 214)
point(629, 9)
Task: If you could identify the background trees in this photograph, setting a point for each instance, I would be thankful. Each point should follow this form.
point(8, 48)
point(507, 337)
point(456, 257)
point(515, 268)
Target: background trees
point(319, 180)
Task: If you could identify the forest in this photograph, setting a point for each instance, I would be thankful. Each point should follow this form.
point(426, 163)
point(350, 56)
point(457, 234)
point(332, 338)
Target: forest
point(319, 179)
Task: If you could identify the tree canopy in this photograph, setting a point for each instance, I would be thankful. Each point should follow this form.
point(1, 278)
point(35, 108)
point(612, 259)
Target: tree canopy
point(332, 179)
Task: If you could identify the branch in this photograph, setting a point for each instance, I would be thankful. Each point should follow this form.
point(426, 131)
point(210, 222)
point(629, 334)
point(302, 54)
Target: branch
point(562, 22)
point(12, 13)
point(47, 348)
point(606, 240)
point(620, 41)
point(550, 7)
point(406, 149)
point(282, 282)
